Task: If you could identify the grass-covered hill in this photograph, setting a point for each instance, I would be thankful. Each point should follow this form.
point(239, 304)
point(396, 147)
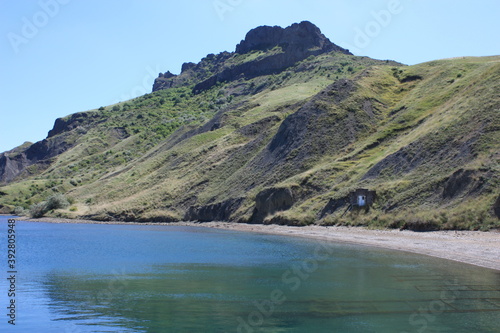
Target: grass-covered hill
point(280, 133)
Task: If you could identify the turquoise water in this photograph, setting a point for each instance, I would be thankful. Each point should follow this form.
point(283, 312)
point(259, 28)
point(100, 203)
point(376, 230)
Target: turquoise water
point(133, 278)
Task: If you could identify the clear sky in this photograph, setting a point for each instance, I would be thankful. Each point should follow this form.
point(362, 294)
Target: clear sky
point(63, 56)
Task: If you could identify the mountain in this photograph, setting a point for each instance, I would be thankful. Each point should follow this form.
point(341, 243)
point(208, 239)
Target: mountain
point(280, 131)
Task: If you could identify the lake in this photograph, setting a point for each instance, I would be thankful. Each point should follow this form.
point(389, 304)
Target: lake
point(144, 278)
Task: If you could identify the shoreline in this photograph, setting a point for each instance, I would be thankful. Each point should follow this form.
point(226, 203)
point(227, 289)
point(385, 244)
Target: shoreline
point(470, 247)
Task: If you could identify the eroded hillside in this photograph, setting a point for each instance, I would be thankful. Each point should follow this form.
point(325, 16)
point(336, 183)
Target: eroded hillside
point(281, 132)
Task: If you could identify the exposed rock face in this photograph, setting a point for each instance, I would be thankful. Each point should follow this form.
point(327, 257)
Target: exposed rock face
point(298, 38)
point(297, 42)
point(187, 66)
point(46, 149)
point(296, 128)
point(220, 211)
point(332, 206)
point(496, 207)
point(164, 81)
point(462, 181)
point(417, 154)
point(60, 138)
point(71, 122)
point(191, 72)
point(270, 201)
point(11, 163)
point(167, 75)
point(308, 132)
point(15, 162)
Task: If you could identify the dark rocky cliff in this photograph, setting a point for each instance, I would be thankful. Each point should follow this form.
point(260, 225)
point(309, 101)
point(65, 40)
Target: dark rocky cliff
point(60, 138)
point(297, 42)
point(15, 162)
point(298, 38)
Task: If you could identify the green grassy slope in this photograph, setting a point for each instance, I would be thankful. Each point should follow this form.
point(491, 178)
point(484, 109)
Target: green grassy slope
point(425, 137)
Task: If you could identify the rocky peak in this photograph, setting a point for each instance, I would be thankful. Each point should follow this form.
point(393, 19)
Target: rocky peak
point(164, 81)
point(301, 36)
point(297, 42)
point(187, 66)
point(167, 75)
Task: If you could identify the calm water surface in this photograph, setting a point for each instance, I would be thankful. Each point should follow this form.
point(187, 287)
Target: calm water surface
point(120, 278)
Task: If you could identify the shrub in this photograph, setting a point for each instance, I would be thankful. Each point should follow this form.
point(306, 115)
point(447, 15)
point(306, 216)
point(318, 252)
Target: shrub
point(57, 201)
point(20, 211)
point(39, 209)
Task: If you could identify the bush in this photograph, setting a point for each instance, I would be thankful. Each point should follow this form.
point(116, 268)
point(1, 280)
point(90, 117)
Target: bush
point(57, 201)
point(39, 209)
point(20, 211)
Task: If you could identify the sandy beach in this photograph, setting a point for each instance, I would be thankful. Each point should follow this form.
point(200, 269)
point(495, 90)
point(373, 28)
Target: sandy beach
point(470, 247)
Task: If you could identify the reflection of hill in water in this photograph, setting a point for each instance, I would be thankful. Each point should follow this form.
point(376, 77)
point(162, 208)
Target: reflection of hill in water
point(318, 287)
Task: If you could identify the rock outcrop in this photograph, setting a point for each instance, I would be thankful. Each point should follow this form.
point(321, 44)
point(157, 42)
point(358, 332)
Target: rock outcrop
point(220, 211)
point(332, 206)
point(71, 122)
point(13, 163)
point(303, 37)
point(270, 201)
point(191, 72)
point(60, 138)
point(496, 207)
point(165, 81)
point(463, 182)
point(296, 43)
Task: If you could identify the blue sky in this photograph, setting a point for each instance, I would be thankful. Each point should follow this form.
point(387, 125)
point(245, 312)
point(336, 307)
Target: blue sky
point(64, 56)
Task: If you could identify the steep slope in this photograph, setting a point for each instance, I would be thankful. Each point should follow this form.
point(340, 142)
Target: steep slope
point(279, 132)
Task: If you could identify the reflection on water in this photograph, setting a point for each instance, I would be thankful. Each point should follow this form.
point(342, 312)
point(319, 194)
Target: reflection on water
point(111, 278)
